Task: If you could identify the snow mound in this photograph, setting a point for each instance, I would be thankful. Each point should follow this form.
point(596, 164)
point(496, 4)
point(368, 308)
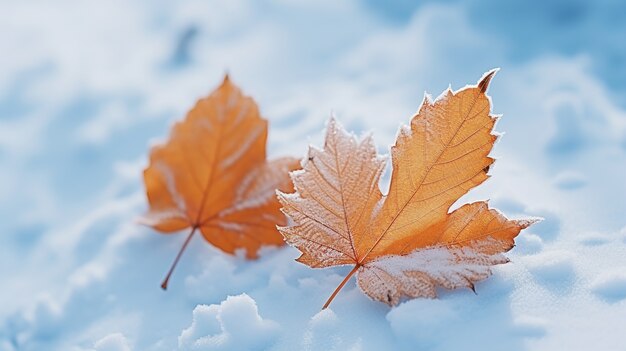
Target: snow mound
point(610, 287)
point(323, 334)
point(595, 239)
point(457, 320)
point(570, 180)
point(6, 346)
point(554, 269)
point(529, 326)
point(549, 228)
point(112, 342)
point(527, 244)
point(234, 324)
point(423, 322)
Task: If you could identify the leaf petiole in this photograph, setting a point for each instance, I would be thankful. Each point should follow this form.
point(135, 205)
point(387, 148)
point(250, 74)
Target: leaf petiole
point(345, 280)
point(167, 278)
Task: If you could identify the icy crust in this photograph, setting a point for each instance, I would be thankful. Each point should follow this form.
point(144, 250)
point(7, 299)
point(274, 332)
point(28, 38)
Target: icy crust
point(418, 274)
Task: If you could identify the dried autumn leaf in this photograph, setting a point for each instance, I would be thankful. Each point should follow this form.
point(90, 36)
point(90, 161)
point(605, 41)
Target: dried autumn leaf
point(405, 243)
point(212, 176)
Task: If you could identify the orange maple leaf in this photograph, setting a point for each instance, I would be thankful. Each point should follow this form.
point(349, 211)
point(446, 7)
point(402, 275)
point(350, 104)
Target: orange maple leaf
point(405, 243)
point(212, 176)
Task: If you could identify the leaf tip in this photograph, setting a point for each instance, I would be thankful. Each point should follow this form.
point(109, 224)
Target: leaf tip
point(428, 100)
point(527, 222)
point(333, 127)
point(483, 84)
point(332, 120)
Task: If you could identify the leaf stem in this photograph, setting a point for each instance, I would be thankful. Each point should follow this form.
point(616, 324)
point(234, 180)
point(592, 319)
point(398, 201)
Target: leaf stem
point(167, 278)
point(345, 280)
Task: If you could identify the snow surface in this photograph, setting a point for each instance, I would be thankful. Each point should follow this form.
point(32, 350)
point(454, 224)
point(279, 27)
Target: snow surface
point(87, 86)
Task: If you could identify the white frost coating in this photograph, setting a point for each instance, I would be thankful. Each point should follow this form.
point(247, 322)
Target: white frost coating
point(330, 175)
point(435, 261)
point(204, 123)
point(234, 227)
point(446, 94)
point(335, 195)
point(377, 208)
point(405, 130)
point(257, 200)
point(243, 111)
point(418, 274)
point(153, 218)
point(324, 255)
point(232, 99)
point(170, 183)
point(325, 244)
point(243, 146)
point(258, 187)
point(288, 196)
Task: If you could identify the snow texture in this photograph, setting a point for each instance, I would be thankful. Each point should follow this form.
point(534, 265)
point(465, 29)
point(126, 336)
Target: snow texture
point(234, 324)
point(112, 342)
point(88, 86)
point(610, 287)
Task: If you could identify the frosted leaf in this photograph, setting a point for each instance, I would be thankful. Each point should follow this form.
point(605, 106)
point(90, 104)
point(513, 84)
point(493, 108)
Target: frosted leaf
point(398, 242)
point(389, 278)
point(337, 193)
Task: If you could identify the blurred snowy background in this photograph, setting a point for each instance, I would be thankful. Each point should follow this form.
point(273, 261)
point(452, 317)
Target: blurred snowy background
point(87, 86)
